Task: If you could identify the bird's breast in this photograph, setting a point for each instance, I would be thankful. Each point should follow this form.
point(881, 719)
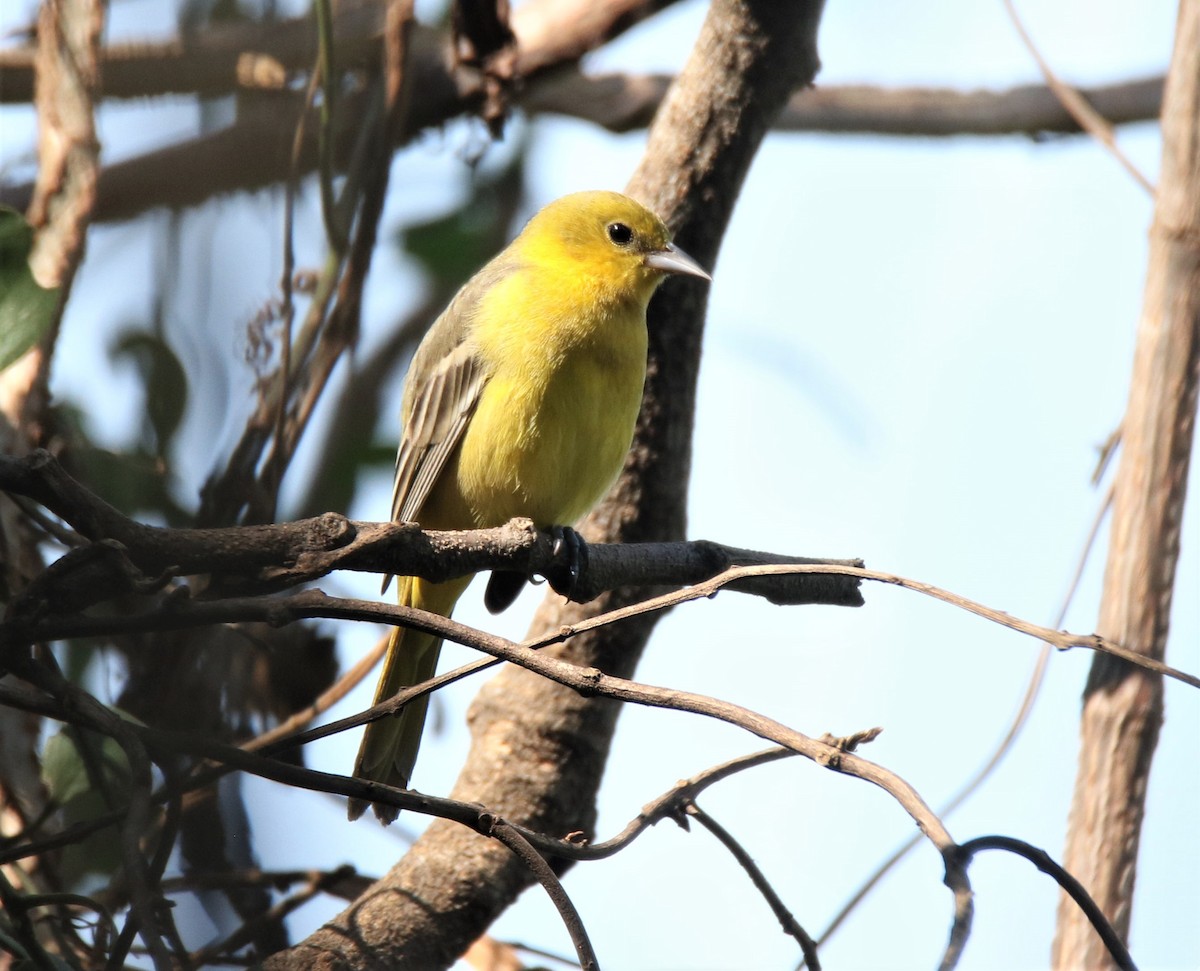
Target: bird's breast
point(550, 433)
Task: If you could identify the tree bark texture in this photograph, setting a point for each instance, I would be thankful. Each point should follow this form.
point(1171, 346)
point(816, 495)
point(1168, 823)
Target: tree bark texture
point(1123, 706)
point(538, 749)
point(65, 66)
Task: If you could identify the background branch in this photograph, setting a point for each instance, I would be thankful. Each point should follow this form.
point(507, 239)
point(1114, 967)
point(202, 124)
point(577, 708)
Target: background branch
point(257, 60)
point(1123, 706)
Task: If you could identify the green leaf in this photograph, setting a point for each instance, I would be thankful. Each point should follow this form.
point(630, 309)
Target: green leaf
point(26, 309)
point(452, 247)
point(84, 788)
point(136, 482)
point(449, 247)
point(163, 378)
point(65, 771)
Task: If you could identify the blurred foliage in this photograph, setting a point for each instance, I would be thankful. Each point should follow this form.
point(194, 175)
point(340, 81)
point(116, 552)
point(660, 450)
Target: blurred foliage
point(26, 308)
point(448, 250)
point(135, 481)
point(452, 247)
point(164, 383)
point(86, 774)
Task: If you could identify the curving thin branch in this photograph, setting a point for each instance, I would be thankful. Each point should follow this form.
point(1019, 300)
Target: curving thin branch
point(833, 754)
point(1019, 720)
point(143, 893)
point(589, 682)
point(511, 837)
point(786, 920)
point(1072, 887)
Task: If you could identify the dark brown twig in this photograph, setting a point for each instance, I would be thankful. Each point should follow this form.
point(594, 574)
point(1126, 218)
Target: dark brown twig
point(511, 837)
point(144, 898)
point(1072, 887)
point(789, 923)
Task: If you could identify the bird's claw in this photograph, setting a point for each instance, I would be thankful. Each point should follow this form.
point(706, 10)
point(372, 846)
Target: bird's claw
point(569, 552)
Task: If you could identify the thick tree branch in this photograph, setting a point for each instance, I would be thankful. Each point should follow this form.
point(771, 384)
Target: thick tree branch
point(128, 556)
point(538, 749)
point(1123, 707)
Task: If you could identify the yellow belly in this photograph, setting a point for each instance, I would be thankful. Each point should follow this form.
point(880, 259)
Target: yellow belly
point(549, 449)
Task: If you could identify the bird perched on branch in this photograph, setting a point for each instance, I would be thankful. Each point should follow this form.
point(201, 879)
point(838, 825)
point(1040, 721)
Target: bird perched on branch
point(520, 401)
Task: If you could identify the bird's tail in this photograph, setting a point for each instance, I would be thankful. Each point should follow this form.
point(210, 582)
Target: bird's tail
point(389, 746)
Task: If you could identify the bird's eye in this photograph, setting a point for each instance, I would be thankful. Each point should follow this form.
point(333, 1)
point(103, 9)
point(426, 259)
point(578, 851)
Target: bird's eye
point(620, 234)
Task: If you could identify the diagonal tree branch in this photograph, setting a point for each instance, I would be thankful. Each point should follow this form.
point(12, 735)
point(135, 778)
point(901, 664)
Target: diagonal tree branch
point(538, 749)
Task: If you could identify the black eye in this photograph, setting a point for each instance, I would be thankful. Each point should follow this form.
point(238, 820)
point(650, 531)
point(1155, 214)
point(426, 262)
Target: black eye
point(620, 234)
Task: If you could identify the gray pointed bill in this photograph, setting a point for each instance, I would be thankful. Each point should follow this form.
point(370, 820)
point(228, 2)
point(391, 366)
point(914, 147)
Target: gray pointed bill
point(674, 260)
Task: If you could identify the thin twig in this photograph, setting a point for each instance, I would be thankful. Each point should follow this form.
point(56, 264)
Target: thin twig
point(326, 700)
point(17, 907)
point(511, 837)
point(1076, 105)
point(1062, 640)
point(586, 681)
point(1072, 887)
point(592, 682)
point(1018, 722)
point(225, 949)
point(671, 802)
point(143, 897)
point(287, 311)
point(789, 923)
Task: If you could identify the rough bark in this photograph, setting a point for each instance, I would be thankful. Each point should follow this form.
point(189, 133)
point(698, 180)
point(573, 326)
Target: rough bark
point(66, 70)
point(1123, 706)
point(539, 749)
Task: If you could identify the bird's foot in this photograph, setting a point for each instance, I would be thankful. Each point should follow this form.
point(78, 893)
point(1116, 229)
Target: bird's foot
point(570, 555)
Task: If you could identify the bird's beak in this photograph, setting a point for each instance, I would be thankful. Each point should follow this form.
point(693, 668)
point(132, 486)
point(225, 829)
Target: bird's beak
point(674, 260)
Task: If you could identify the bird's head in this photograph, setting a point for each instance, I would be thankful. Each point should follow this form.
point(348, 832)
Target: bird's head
point(607, 238)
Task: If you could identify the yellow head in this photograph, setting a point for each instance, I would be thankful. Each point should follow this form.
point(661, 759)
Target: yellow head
point(618, 246)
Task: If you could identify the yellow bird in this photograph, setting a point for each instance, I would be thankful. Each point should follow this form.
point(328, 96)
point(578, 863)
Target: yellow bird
point(520, 401)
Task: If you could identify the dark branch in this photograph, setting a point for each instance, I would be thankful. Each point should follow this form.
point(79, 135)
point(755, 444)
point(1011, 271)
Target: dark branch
point(829, 753)
point(255, 151)
point(789, 923)
point(130, 556)
point(510, 836)
point(1072, 887)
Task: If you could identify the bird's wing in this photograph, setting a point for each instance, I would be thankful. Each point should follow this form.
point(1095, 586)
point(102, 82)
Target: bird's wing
point(440, 411)
point(443, 387)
